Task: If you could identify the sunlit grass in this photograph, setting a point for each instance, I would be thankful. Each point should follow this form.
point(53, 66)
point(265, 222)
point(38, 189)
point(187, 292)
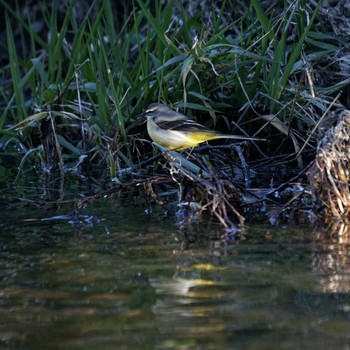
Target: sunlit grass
point(92, 74)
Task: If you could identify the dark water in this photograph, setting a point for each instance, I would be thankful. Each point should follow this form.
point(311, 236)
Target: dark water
point(119, 278)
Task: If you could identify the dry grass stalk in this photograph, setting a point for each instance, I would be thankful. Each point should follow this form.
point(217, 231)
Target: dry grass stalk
point(329, 175)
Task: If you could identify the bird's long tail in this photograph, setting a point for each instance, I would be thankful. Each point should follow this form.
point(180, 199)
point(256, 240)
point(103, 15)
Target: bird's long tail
point(238, 137)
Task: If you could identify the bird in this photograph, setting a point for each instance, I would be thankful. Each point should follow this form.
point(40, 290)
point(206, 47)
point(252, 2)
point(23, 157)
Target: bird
point(174, 131)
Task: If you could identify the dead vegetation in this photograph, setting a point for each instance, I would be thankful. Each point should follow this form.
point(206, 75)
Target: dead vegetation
point(285, 82)
point(329, 175)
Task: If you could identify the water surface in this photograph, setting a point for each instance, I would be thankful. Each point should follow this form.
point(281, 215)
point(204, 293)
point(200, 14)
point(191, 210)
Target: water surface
point(115, 277)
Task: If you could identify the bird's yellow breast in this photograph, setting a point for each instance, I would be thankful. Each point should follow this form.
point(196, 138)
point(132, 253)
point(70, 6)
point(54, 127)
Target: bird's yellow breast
point(179, 140)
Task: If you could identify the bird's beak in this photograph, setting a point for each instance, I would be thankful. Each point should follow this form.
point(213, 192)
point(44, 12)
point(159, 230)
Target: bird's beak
point(141, 115)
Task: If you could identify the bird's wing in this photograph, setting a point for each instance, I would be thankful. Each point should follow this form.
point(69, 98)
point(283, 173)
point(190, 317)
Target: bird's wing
point(185, 125)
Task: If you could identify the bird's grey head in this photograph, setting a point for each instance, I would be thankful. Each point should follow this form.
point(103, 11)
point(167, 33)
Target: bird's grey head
point(157, 107)
point(162, 113)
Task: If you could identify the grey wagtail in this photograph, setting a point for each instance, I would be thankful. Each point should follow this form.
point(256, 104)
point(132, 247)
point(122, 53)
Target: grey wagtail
point(175, 131)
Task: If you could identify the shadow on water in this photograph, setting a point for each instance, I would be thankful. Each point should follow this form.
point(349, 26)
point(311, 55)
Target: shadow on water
point(116, 277)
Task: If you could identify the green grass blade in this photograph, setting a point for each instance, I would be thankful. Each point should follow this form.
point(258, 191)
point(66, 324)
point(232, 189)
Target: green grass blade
point(15, 71)
point(296, 53)
point(264, 21)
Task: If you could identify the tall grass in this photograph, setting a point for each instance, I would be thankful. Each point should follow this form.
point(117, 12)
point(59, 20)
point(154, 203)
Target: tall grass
point(91, 75)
